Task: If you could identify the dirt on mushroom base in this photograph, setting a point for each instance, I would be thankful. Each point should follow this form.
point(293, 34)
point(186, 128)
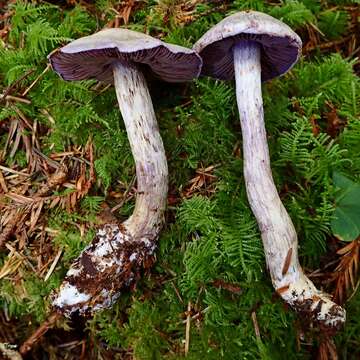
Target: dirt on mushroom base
point(113, 262)
point(310, 315)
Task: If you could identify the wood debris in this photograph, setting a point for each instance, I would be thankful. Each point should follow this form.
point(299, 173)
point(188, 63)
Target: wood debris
point(48, 324)
point(203, 183)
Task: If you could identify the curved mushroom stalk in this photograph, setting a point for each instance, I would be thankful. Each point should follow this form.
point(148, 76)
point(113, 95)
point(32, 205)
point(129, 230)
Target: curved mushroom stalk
point(115, 257)
point(119, 251)
point(148, 151)
point(277, 231)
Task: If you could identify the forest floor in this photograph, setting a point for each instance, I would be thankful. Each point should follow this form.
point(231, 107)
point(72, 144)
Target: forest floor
point(65, 160)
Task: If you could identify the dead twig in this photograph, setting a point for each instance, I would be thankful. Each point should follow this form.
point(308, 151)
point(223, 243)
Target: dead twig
point(14, 84)
point(15, 99)
point(121, 203)
point(53, 265)
point(35, 81)
point(221, 284)
point(256, 325)
point(187, 328)
point(35, 337)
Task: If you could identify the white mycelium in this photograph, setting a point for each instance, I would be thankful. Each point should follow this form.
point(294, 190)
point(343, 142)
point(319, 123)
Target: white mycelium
point(70, 296)
point(110, 240)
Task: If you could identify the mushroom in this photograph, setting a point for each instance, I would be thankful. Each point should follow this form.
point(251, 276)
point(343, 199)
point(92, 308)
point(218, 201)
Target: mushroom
point(255, 47)
point(115, 257)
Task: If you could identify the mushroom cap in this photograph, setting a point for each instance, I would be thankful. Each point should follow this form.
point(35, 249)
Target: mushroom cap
point(90, 57)
point(280, 46)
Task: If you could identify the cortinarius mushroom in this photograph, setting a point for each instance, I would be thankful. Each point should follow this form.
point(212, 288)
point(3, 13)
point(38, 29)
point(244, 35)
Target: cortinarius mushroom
point(253, 46)
point(115, 257)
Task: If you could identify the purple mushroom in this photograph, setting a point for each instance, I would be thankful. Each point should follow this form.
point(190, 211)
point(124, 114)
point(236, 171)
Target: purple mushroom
point(252, 46)
point(117, 254)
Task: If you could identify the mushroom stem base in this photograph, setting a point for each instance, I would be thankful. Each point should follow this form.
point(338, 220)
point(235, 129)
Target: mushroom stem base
point(277, 230)
point(114, 259)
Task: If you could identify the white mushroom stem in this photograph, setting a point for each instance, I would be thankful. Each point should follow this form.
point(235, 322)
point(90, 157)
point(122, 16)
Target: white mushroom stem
point(117, 254)
point(147, 149)
point(277, 230)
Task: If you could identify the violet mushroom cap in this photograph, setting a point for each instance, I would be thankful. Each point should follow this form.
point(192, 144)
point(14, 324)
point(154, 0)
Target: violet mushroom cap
point(114, 259)
point(254, 47)
point(280, 45)
point(92, 57)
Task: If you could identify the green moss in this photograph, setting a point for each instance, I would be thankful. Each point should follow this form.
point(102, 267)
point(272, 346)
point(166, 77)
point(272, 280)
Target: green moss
point(211, 238)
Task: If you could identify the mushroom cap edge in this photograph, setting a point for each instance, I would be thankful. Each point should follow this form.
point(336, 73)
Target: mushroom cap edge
point(90, 57)
point(280, 45)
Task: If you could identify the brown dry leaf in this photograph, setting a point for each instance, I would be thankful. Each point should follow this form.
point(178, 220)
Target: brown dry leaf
point(22, 214)
point(11, 265)
point(56, 179)
point(21, 199)
point(327, 350)
point(54, 202)
point(202, 182)
point(219, 283)
point(35, 214)
point(73, 198)
point(16, 142)
point(334, 123)
point(12, 130)
point(346, 248)
point(315, 128)
point(3, 183)
point(346, 273)
point(183, 12)
point(28, 148)
point(125, 11)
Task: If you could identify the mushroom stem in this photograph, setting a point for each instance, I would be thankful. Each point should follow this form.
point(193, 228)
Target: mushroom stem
point(277, 230)
point(115, 257)
point(147, 149)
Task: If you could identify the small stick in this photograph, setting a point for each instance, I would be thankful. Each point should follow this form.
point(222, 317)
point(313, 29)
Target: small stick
point(326, 45)
point(36, 80)
point(20, 256)
point(6, 169)
point(121, 203)
point(256, 325)
point(23, 118)
point(39, 332)
point(3, 183)
point(14, 84)
point(11, 265)
point(63, 154)
point(49, 117)
point(83, 349)
point(187, 329)
point(176, 292)
point(15, 98)
point(52, 267)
